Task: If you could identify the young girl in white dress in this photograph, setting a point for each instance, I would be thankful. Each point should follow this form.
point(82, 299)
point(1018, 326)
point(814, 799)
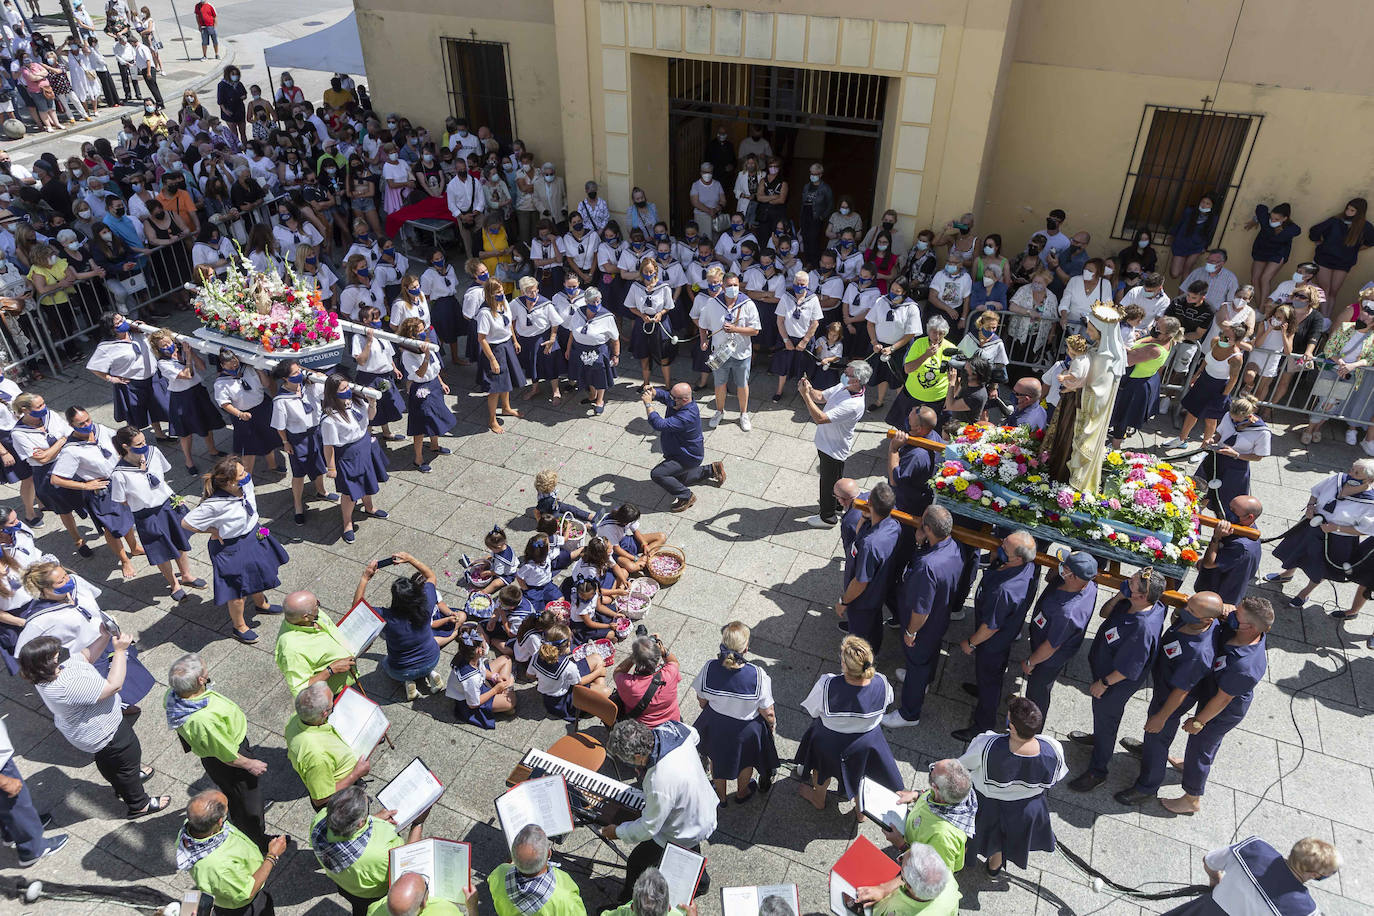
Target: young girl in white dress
point(353, 458)
point(139, 481)
point(190, 411)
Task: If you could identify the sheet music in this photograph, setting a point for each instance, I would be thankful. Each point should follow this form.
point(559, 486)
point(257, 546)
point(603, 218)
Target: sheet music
point(682, 869)
point(879, 804)
point(747, 901)
point(359, 721)
point(359, 628)
point(414, 790)
point(446, 865)
point(542, 801)
point(839, 890)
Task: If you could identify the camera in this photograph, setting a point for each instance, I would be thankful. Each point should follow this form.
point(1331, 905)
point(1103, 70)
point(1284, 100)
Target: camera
point(641, 630)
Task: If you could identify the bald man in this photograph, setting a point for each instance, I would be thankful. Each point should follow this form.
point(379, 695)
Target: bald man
point(223, 862)
point(684, 448)
point(409, 896)
point(1229, 564)
point(309, 648)
point(1186, 652)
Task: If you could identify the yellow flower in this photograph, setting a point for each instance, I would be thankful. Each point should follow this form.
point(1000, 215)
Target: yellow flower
point(1114, 459)
point(960, 484)
point(1034, 478)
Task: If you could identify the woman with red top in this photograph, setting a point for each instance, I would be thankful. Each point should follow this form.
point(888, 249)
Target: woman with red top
point(882, 259)
point(646, 683)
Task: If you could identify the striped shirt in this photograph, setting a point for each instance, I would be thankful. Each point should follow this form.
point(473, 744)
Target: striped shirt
point(73, 698)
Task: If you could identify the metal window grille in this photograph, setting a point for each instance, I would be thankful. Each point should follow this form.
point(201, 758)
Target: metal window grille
point(479, 84)
point(834, 101)
point(1181, 154)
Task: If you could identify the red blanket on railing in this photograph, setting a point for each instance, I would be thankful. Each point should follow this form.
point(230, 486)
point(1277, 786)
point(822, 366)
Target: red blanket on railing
point(429, 208)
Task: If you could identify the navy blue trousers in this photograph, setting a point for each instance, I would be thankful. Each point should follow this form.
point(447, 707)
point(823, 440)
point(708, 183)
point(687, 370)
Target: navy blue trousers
point(1107, 712)
point(1202, 750)
point(1154, 752)
point(19, 820)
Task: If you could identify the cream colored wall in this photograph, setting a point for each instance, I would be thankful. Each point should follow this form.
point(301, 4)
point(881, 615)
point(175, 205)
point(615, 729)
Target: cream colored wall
point(1311, 150)
point(405, 67)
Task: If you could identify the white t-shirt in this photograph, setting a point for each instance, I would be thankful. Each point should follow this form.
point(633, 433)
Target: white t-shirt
point(844, 408)
point(797, 316)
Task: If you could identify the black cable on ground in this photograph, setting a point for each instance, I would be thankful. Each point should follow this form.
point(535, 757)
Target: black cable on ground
point(130, 896)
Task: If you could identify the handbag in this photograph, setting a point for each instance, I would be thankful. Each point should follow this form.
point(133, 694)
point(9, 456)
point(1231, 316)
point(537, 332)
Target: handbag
point(136, 283)
point(48, 92)
point(638, 710)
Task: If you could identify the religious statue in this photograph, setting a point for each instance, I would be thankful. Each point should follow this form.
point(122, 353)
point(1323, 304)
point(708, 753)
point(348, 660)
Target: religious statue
point(1106, 365)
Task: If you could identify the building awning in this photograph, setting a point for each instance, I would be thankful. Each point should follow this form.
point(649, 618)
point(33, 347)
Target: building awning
point(335, 49)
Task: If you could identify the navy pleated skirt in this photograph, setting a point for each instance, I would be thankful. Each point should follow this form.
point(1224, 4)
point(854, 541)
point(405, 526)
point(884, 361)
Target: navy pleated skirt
point(1013, 828)
point(161, 533)
point(1319, 556)
point(537, 365)
point(1136, 402)
point(192, 413)
point(594, 370)
point(20, 470)
point(360, 468)
point(480, 716)
point(426, 412)
point(391, 406)
point(847, 757)
point(255, 435)
point(54, 498)
point(733, 744)
point(446, 317)
point(307, 453)
point(142, 402)
point(790, 363)
point(1205, 400)
point(650, 341)
point(107, 514)
point(246, 565)
point(511, 376)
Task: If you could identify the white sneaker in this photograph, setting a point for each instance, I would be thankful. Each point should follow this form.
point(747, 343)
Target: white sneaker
point(1350, 438)
point(815, 521)
point(716, 418)
point(1175, 442)
point(894, 720)
point(744, 423)
point(412, 692)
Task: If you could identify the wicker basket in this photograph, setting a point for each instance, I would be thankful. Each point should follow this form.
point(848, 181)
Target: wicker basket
point(681, 557)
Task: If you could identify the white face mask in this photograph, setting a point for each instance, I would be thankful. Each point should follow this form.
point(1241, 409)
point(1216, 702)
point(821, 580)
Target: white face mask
point(1275, 223)
point(1298, 278)
point(1107, 271)
point(705, 177)
point(922, 245)
point(844, 211)
point(1204, 210)
point(731, 292)
point(1211, 268)
point(989, 250)
point(1088, 276)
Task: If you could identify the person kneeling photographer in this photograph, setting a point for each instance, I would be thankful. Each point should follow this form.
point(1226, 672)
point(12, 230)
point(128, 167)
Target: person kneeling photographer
point(646, 682)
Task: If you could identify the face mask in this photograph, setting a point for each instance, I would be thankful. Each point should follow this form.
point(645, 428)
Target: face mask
point(844, 211)
point(66, 588)
point(330, 171)
point(1188, 619)
point(83, 214)
point(284, 217)
point(392, 157)
point(1211, 268)
point(989, 281)
point(731, 292)
point(705, 179)
point(364, 273)
point(1002, 554)
point(801, 290)
point(1275, 223)
point(167, 351)
point(297, 379)
point(1107, 271)
point(922, 245)
point(87, 430)
point(737, 227)
point(428, 157)
point(1126, 589)
point(345, 393)
point(1204, 210)
point(882, 246)
point(713, 287)
point(989, 250)
point(591, 195)
point(122, 327)
point(1088, 276)
point(815, 179)
point(952, 269)
point(141, 449)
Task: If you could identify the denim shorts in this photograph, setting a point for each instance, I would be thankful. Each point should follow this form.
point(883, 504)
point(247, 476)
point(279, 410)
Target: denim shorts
point(208, 35)
point(734, 371)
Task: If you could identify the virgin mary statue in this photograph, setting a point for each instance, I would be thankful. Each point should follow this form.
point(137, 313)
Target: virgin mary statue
point(1106, 364)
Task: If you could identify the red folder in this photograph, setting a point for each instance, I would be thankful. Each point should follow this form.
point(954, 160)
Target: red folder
point(862, 865)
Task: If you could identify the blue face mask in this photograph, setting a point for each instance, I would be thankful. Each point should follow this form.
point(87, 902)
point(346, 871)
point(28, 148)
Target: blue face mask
point(87, 430)
point(39, 414)
point(364, 273)
point(345, 393)
point(297, 379)
point(1126, 589)
point(66, 588)
point(122, 327)
point(1002, 554)
point(376, 324)
point(713, 287)
point(441, 265)
point(312, 260)
point(140, 449)
point(245, 480)
point(388, 254)
point(1187, 619)
point(801, 290)
point(570, 291)
point(952, 269)
point(166, 351)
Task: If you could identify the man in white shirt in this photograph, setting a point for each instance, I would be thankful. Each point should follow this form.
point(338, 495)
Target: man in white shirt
point(462, 141)
point(731, 321)
point(466, 201)
point(1221, 281)
point(836, 413)
point(1053, 234)
point(755, 145)
point(125, 55)
point(680, 803)
point(708, 199)
point(143, 63)
point(1149, 295)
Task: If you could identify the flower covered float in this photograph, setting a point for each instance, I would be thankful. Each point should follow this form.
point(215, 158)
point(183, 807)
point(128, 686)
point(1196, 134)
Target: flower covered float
point(1145, 512)
point(268, 315)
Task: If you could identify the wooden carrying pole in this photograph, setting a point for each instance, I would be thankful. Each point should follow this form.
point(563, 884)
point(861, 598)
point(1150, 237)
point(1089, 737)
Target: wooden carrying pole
point(1109, 577)
point(410, 342)
point(1205, 520)
point(211, 349)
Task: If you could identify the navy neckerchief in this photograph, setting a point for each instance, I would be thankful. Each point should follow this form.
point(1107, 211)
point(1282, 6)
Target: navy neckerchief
point(153, 480)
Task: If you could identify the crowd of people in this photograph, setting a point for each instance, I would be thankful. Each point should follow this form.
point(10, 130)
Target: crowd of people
point(541, 290)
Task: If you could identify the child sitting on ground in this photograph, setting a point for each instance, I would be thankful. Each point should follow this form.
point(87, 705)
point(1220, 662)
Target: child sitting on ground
point(510, 610)
point(557, 673)
point(528, 639)
point(478, 687)
point(547, 501)
point(595, 561)
point(593, 616)
point(535, 574)
point(630, 547)
point(501, 560)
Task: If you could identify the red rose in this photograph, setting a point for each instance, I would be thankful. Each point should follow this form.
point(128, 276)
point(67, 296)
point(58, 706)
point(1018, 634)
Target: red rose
point(1159, 554)
point(295, 346)
point(1038, 434)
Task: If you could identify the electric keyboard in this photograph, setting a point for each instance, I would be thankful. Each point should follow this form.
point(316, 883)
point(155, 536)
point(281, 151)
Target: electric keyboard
point(592, 795)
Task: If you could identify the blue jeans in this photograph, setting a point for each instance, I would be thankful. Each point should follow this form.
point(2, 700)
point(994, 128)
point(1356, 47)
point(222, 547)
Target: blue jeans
point(19, 820)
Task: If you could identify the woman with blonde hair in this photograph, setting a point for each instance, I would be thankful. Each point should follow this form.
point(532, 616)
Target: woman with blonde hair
point(845, 740)
point(426, 412)
point(556, 673)
point(500, 362)
point(737, 717)
point(1137, 400)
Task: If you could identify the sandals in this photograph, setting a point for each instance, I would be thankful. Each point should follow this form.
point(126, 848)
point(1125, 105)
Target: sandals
point(1280, 578)
point(161, 803)
point(744, 799)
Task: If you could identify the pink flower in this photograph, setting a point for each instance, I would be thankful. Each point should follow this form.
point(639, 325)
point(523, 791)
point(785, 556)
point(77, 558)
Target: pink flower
point(1147, 498)
point(1136, 473)
point(974, 491)
point(1153, 543)
point(1064, 499)
point(1113, 503)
